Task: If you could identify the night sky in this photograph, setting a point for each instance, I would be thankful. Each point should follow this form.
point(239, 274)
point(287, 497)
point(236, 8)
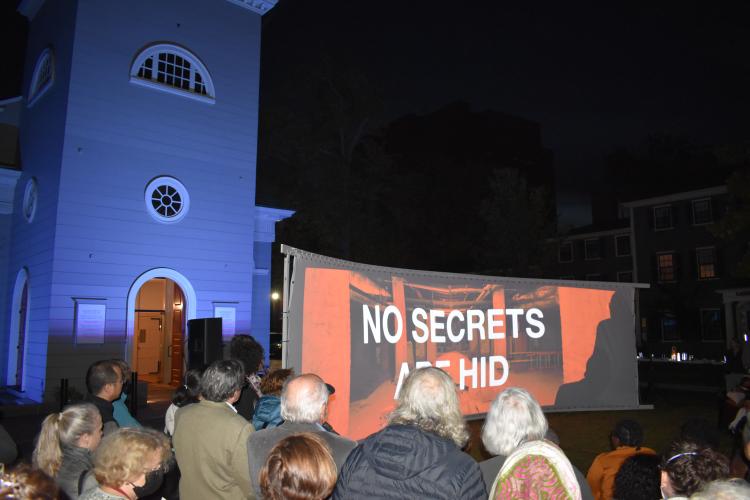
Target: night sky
point(595, 77)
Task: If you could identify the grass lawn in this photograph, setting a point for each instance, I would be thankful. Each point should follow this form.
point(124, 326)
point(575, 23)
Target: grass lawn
point(583, 435)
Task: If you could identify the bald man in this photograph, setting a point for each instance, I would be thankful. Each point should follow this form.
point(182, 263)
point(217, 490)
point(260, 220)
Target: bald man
point(304, 405)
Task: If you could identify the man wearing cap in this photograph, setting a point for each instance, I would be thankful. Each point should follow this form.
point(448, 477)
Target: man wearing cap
point(304, 404)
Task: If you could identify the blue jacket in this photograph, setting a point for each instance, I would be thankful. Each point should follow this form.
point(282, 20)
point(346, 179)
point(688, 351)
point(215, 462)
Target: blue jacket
point(267, 413)
point(122, 414)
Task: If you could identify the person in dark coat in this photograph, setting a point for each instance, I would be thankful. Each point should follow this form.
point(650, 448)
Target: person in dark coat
point(304, 405)
point(249, 352)
point(418, 455)
point(104, 383)
point(8, 448)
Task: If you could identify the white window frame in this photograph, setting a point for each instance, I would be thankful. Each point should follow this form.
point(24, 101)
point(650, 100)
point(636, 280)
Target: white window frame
point(184, 196)
point(671, 217)
point(710, 210)
point(586, 250)
point(35, 90)
point(698, 264)
point(30, 200)
point(196, 65)
point(617, 251)
point(674, 267)
point(559, 259)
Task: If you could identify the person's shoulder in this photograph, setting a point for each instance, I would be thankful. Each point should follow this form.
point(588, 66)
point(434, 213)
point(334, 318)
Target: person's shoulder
point(271, 434)
point(334, 440)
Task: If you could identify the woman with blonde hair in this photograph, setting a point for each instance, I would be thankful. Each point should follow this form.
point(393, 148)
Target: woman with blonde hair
point(65, 444)
point(299, 467)
point(130, 464)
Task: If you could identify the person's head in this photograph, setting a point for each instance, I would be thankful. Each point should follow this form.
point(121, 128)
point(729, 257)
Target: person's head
point(514, 418)
point(428, 400)
point(247, 351)
point(104, 380)
point(725, 489)
point(132, 459)
point(686, 467)
point(223, 381)
point(627, 433)
point(124, 368)
point(638, 478)
point(27, 483)
point(77, 425)
point(700, 431)
point(190, 390)
point(299, 467)
point(304, 399)
point(272, 383)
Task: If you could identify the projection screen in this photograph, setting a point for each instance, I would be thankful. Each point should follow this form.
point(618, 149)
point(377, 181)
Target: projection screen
point(362, 328)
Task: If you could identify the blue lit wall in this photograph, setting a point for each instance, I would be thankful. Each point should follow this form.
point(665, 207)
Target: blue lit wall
point(41, 138)
point(96, 142)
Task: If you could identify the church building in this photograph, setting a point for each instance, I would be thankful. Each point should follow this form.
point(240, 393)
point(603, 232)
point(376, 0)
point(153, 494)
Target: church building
point(130, 208)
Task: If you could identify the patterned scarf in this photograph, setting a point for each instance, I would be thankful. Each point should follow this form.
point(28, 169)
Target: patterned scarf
point(536, 470)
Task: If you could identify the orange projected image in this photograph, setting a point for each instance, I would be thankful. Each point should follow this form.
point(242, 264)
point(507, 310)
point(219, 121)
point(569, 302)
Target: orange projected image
point(363, 333)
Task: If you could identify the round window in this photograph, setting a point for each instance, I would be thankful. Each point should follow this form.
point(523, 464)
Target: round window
point(29, 200)
point(167, 199)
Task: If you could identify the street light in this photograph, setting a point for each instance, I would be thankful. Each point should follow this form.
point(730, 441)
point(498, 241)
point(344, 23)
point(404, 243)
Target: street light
point(275, 296)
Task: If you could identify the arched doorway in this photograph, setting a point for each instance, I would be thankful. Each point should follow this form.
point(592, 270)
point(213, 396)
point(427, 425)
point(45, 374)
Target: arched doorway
point(159, 304)
point(19, 324)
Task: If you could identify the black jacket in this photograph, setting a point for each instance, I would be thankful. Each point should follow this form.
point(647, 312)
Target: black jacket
point(402, 461)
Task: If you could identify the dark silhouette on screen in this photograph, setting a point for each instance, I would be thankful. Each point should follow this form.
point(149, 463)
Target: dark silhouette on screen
point(610, 371)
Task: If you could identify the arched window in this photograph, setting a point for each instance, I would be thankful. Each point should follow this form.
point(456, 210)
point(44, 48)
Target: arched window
point(43, 76)
point(172, 69)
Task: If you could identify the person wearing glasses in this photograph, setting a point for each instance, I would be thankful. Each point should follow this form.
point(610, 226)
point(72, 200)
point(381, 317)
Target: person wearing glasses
point(129, 464)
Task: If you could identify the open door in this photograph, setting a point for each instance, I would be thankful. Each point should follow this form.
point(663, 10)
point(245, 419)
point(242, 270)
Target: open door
point(177, 342)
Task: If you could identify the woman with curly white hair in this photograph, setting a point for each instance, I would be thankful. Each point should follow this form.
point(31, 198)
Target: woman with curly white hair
point(533, 467)
point(418, 455)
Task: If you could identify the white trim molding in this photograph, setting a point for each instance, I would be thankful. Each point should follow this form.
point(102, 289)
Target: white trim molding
point(159, 272)
point(198, 73)
point(22, 279)
point(685, 195)
point(257, 6)
point(164, 195)
point(265, 222)
point(44, 68)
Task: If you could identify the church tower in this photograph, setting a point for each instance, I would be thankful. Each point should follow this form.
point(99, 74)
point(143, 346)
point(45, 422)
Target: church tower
point(135, 207)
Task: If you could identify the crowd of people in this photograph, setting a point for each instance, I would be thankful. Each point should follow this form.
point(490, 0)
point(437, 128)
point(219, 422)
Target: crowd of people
point(230, 434)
